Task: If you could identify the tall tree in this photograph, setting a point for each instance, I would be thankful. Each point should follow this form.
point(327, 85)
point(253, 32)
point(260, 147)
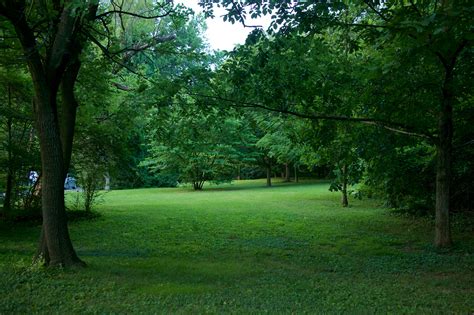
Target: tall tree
point(52, 35)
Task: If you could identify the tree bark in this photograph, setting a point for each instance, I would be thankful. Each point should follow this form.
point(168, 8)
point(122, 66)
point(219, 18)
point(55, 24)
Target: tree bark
point(269, 176)
point(296, 174)
point(9, 187)
point(55, 244)
point(444, 164)
point(287, 173)
point(68, 112)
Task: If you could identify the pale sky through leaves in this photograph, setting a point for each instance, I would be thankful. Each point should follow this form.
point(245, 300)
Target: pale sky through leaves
point(224, 35)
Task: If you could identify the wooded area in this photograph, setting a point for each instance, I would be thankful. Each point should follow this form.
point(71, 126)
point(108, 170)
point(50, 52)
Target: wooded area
point(376, 97)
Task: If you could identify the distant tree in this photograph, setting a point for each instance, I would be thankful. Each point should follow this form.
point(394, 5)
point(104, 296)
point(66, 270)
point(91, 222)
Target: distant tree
point(283, 143)
point(197, 144)
point(334, 145)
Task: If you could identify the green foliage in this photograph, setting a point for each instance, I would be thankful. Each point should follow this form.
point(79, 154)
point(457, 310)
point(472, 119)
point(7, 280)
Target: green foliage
point(90, 195)
point(199, 145)
point(282, 139)
point(175, 251)
point(19, 150)
point(403, 176)
point(396, 67)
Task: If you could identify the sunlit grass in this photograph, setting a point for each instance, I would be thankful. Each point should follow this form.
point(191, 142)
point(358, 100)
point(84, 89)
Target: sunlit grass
point(241, 248)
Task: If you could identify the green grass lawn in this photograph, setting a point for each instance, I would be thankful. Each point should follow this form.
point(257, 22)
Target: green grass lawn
point(242, 248)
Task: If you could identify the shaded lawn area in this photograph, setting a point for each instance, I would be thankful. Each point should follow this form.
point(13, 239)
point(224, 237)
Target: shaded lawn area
point(242, 248)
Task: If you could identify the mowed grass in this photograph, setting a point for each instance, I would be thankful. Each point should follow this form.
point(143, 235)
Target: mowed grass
point(242, 248)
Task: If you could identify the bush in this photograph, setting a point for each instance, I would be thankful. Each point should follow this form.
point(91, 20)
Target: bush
point(89, 193)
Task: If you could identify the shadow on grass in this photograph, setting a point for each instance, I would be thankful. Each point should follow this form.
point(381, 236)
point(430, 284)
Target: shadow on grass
point(259, 186)
point(164, 274)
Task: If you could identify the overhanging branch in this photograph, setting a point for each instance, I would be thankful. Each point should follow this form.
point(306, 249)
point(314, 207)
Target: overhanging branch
point(120, 12)
point(391, 126)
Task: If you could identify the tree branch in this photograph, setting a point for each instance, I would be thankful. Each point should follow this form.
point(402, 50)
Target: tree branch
point(371, 6)
point(141, 47)
point(108, 55)
point(120, 12)
point(241, 17)
point(392, 126)
point(465, 144)
point(415, 8)
point(122, 87)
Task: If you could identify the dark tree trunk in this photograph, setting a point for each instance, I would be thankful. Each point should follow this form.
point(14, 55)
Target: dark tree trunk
point(197, 185)
point(55, 244)
point(269, 176)
point(68, 112)
point(287, 173)
point(9, 187)
point(345, 201)
point(443, 167)
point(7, 202)
point(59, 62)
point(296, 174)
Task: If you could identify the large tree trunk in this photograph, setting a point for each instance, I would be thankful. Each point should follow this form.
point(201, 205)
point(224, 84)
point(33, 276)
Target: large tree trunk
point(49, 65)
point(55, 244)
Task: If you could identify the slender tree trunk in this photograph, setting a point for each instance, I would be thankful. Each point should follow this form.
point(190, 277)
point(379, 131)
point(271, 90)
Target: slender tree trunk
point(107, 181)
point(7, 202)
point(444, 166)
point(287, 173)
point(238, 172)
point(345, 201)
point(296, 173)
point(9, 187)
point(269, 175)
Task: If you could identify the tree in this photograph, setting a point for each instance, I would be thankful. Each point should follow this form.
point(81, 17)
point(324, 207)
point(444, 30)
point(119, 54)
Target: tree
point(283, 142)
point(52, 35)
point(198, 144)
point(427, 40)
